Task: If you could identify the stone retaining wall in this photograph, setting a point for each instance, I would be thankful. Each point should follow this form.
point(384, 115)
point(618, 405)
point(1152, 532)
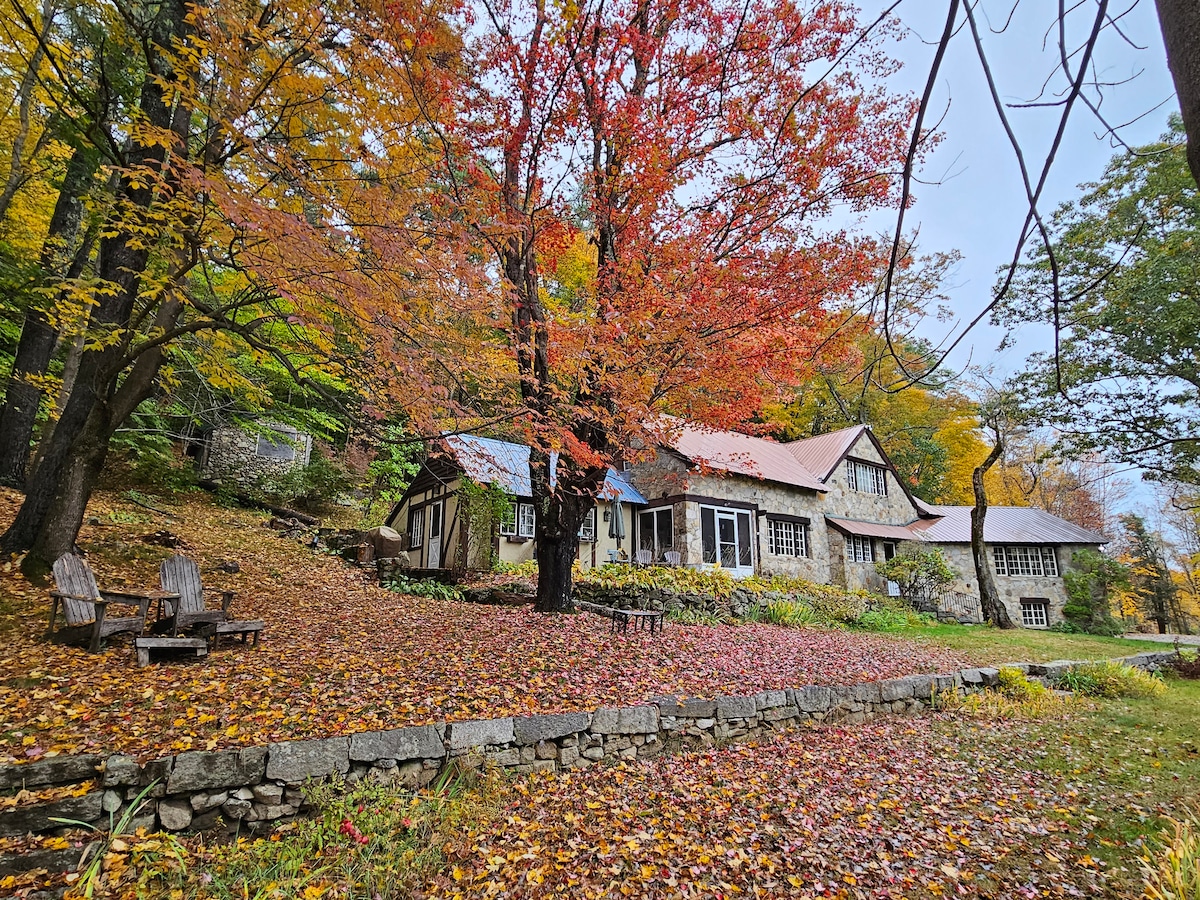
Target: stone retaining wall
point(255, 787)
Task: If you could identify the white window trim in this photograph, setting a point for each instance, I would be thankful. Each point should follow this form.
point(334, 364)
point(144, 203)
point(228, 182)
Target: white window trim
point(859, 549)
point(866, 478)
point(587, 531)
point(526, 520)
point(786, 538)
point(416, 533)
point(1025, 561)
point(1035, 612)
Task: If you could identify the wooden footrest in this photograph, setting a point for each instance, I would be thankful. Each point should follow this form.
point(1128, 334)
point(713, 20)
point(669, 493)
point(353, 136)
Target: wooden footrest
point(245, 628)
point(143, 646)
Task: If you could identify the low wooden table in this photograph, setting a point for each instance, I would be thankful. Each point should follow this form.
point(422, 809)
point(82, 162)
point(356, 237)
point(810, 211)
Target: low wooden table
point(622, 617)
point(143, 646)
point(213, 630)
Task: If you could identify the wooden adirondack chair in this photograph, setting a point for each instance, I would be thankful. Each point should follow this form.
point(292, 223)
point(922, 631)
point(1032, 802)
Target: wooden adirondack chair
point(85, 607)
point(180, 575)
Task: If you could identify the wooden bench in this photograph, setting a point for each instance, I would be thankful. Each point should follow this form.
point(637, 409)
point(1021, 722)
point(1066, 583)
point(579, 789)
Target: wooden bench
point(143, 646)
point(213, 630)
point(622, 617)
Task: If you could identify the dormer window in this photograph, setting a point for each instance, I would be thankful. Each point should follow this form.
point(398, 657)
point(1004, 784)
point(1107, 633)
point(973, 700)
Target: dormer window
point(866, 478)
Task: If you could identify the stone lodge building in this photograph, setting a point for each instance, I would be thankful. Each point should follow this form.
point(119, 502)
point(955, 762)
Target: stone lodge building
point(825, 509)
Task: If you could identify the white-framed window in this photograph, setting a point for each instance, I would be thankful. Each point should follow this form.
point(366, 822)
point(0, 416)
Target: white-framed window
point(859, 548)
point(1027, 561)
point(518, 520)
point(1035, 612)
point(866, 478)
point(787, 538)
point(416, 527)
point(587, 531)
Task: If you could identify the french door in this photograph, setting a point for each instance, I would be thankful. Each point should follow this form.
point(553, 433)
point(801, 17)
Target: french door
point(728, 539)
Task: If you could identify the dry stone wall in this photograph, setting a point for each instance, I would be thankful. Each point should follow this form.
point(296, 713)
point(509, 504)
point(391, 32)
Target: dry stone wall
point(256, 787)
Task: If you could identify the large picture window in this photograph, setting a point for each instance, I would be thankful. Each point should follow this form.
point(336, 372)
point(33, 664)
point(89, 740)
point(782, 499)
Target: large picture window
point(656, 531)
point(866, 478)
point(787, 538)
point(859, 548)
point(1025, 561)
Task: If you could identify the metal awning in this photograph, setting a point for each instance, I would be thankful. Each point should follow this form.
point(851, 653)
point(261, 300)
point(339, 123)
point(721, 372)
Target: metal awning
point(874, 529)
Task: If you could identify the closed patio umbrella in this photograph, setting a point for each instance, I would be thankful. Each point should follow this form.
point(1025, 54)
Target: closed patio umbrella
point(616, 522)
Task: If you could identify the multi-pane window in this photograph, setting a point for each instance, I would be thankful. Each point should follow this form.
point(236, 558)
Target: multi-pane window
point(416, 527)
point(280, 445)
point(787, 538)
point(587, 531)
point(866, 478)
point(1035, 613)
point(1018, 560)
point(518, 520)
point(859, 548)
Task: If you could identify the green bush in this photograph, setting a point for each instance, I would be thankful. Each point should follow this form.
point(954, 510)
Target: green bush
point(420, 587)
point(789, 613)
point(686, 616)
point(1109, 678)
point(313, 487)
point(1015, 697)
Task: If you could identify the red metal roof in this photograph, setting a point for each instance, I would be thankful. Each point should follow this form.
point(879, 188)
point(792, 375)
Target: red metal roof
point(822, 453)
point(874, 529)
point(740, 454)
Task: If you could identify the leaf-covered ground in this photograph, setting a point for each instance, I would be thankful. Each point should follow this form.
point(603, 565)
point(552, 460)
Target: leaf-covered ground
point(923, 807)
point(341, 655)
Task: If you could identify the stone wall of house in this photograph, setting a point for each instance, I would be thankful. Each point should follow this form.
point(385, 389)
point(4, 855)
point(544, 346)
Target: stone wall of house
point(1013, 588)
point(256, 787)
point(893, 509)
point(231, 455)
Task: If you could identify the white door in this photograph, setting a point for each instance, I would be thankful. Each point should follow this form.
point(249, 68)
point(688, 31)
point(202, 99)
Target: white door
point(728, 539)
point(889, 552)
point(435, 535)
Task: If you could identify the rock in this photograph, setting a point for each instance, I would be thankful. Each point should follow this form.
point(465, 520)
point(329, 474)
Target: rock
point(236, 808)
point(112, 802)
point(121, 770)
point(509, 757)
point(545, 750)
point(199, 770)
point(777, 713)
point(22, 819)
point(736, 708)
point(202, 803)
point(895, 689)
point(625, 720)
point(244, 794)
point(866, 693)
point(420, 742)
point(532, 729)
point(813, 698)
point(175, 815)
point(270, 794)
point(206, 821)
point(568, 755)
point(770, 699)
point(55, 770)
point(479, 733)
point(542, 765)
point(156, 772)
point(974, 678)
point(594, 753)
point(295, 761)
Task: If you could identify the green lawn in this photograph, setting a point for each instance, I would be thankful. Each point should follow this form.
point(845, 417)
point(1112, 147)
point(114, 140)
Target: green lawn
point(991, 646)
point(1126, 764)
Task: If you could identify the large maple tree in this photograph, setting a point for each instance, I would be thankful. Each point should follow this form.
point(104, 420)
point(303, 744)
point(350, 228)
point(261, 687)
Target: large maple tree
point(699, 146)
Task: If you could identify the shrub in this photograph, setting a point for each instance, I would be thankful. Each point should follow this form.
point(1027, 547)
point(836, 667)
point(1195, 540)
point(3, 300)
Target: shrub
point(1091, 582)
point(419, 587)
point(1186, 664)
point(1171, 867)
point(313, 487)
point(1015, 697)
point(687, 616)
point(1109, 678)
point(786, 612)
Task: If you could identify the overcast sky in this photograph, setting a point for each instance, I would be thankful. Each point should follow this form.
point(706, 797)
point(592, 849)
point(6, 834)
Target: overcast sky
point(978, 205)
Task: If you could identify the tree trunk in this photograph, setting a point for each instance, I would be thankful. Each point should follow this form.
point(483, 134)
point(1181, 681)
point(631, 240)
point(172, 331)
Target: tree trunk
point(1180, 23)
point(122, 259)
point(994, 610)
point(38, 337)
